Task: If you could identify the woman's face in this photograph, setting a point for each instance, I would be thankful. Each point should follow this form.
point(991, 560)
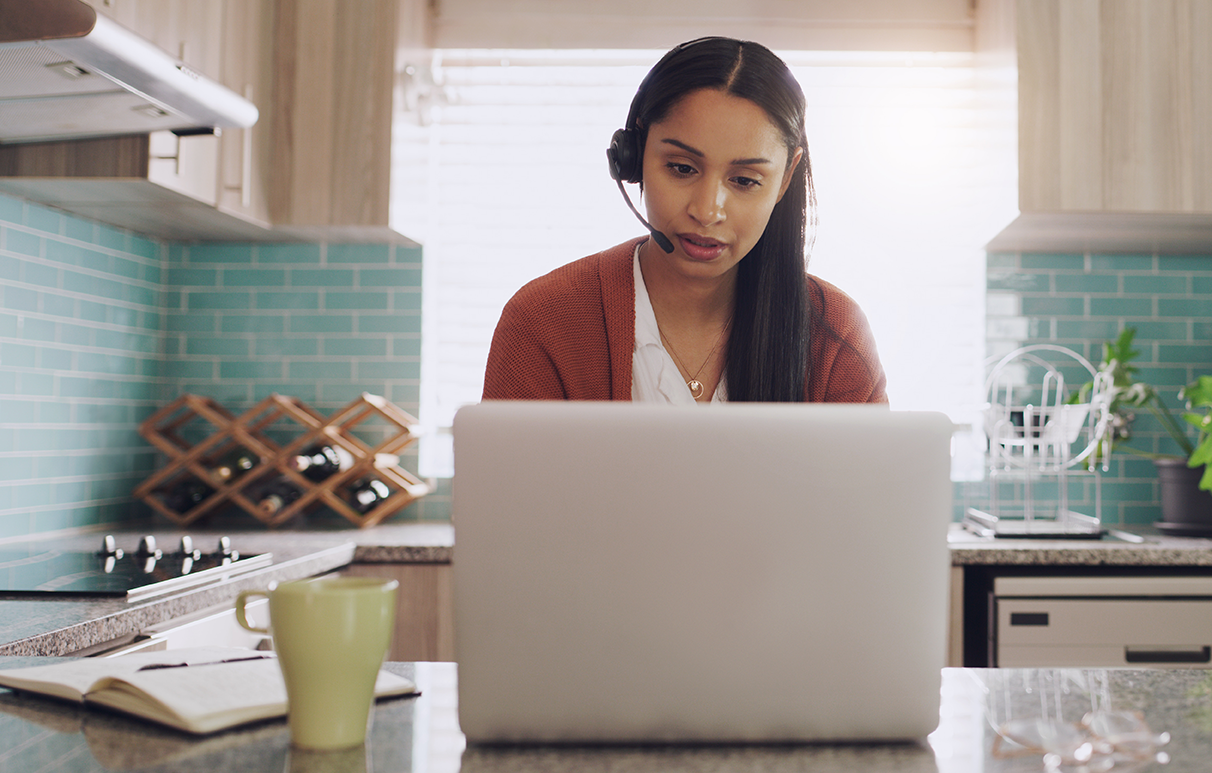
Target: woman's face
point(713, 170)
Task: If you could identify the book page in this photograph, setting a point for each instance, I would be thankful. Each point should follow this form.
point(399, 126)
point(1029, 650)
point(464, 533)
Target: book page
point(199, 699)
point(72, 679)
point(205, 698)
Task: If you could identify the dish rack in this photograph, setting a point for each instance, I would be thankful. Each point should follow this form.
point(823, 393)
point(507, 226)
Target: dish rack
point(195, 432)
point(1044, 449)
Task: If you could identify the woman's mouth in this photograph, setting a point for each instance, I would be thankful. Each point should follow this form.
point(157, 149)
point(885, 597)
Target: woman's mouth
point(700, 247)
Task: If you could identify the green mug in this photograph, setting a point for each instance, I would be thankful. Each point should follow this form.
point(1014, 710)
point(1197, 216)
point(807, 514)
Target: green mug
point(331, 635)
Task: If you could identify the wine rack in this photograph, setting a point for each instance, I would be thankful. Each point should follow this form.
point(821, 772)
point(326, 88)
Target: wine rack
point(272, 434)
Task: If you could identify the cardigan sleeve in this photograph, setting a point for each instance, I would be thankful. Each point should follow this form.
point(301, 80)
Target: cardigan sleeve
point(845, 364)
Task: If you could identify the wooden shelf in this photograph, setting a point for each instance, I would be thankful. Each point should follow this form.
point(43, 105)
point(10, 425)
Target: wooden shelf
point(253, 431)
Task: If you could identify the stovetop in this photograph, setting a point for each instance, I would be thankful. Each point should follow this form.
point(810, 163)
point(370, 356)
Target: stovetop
point(136, 572)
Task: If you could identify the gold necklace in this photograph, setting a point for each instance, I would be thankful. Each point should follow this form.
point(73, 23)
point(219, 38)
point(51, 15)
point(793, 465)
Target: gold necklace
point(694, 385)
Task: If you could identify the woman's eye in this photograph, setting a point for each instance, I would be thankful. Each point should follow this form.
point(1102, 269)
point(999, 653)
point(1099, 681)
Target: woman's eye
point(682, 170)
point(746, 182)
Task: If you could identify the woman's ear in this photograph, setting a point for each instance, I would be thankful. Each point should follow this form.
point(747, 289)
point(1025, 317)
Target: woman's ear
point(795, 163)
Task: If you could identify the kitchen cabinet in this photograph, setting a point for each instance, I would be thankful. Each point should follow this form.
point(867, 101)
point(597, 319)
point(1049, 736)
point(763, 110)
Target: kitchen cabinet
point(334, 106)
point(191, 31)
point(335, 66)
point(1144, 600)
point(242, 188)
point(1089, 616)
point(1114, 106)
point(230, 41)
point(162, 184)
point(424, 611)
point(317, 164)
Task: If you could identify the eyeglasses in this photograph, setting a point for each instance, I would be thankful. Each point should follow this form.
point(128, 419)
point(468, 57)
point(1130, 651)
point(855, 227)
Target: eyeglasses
point(1102, 740)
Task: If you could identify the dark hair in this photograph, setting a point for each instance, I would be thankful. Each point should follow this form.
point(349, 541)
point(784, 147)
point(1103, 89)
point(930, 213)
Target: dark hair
point(768, 350)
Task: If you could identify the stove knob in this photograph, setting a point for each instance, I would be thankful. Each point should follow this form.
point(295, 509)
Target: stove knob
point(224, 546)
point(109, 547)
point(187, 550)
point(147, 548)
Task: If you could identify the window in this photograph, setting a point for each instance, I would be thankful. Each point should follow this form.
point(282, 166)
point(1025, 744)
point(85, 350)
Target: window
point(503, 177)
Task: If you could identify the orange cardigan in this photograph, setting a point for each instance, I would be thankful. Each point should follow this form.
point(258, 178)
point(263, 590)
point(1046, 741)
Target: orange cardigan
point(570, 335)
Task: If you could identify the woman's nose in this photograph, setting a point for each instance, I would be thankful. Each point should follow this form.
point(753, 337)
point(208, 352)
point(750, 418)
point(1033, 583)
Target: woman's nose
point(707, 203)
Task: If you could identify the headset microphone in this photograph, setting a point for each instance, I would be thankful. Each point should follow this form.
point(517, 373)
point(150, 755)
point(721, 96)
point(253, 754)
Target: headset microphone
point(661, 239)
point(624, 160)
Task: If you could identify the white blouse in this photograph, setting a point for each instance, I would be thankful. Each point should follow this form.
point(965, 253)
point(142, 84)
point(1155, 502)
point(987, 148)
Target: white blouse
point(655, 377)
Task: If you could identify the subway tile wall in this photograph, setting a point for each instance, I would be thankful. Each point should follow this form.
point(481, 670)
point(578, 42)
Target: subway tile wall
point(99, 327)
point(81, 320)
point(1079, 301)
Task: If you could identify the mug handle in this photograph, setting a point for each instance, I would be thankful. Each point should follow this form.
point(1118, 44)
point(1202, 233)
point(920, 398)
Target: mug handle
point(241, 617)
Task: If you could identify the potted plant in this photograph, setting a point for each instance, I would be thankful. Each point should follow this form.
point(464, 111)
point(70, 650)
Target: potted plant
point(1186, 480)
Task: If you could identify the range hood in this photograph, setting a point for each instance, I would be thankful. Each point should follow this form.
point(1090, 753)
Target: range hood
point(67, 72)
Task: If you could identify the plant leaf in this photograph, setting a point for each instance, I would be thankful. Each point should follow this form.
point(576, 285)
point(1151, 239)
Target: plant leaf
point(1198, 393)
point(1202, 454)
point(1203, 422)
point(1121, 351)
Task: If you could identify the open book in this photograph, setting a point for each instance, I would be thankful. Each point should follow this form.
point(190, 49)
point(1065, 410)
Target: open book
point(198, 690)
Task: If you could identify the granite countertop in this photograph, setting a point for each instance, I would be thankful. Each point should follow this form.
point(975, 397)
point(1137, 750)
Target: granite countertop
point(61, 625)
point(421, 734)
point(1114, 549)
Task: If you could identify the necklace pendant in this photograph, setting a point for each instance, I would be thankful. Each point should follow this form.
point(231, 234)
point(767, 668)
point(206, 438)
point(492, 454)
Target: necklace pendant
point(696, 388)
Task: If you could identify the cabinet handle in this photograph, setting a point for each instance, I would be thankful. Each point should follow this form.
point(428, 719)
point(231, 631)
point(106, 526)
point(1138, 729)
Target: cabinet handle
point(246, 161)
point(1134, 655)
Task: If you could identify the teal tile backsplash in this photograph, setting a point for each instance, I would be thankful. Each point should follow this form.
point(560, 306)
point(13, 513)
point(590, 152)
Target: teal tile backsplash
point(80, 332)
point(99, 327)
point(1079, 302)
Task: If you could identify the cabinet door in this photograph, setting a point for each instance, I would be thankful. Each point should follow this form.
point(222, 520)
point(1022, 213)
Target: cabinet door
point(424, 611)
point(188, 30)
point(247, 69)
point(186, 165)
point(1115, 97)
point(332, 111)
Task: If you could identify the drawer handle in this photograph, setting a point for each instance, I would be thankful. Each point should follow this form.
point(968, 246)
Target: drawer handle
point(1029, 618)
point(1202, 655)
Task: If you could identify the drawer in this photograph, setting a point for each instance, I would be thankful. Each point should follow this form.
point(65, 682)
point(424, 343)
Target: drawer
point(1104, 632)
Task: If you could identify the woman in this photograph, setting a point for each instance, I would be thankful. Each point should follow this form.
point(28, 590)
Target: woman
point(715, 304)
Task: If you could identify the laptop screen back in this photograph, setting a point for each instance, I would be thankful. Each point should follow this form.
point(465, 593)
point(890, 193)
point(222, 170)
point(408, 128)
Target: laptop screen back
point(638, 573)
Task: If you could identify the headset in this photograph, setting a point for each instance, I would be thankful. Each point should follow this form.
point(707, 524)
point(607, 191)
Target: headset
point(625, 157)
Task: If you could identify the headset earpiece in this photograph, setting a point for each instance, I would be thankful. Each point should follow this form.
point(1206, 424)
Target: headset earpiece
point(623, 156)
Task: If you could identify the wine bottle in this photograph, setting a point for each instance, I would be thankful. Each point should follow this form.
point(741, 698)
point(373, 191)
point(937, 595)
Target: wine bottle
point(320, 462)
point(186, 494)
point(366, 494)
point(234, 465)
point(276, 495)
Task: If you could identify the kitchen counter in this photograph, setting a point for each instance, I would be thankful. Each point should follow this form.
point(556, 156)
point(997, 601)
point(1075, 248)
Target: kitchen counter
point(62, 625)
point(421, 734)
point(1156, 550)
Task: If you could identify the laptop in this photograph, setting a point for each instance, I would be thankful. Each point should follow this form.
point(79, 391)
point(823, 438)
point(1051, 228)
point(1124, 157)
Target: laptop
point(638, 573)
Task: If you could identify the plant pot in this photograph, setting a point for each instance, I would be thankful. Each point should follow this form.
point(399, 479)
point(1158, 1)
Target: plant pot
point(1186, 509)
